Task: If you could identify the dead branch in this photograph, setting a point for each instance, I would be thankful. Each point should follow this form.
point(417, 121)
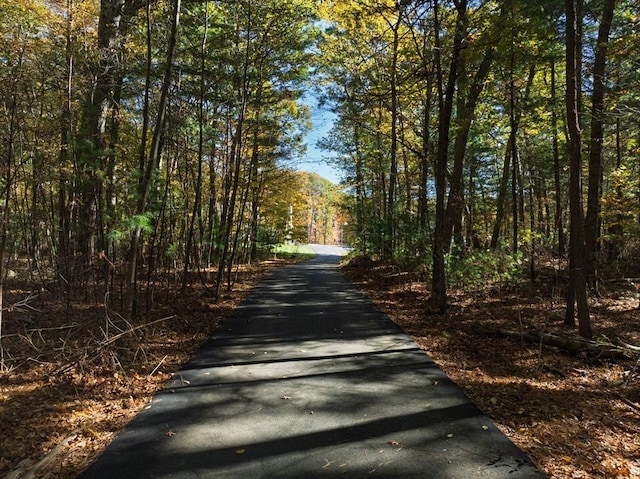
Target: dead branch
point(574, 345)
point(23, 304)
point(94, 350)
point(158, 366)
point(631, 347)
point(28, 470)
point(633, 406)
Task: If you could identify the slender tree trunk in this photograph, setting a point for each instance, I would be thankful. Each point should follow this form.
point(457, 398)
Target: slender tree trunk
point(616, 230)
point(577, 278)
point(235, 156)
point(594, 193)
point(423, 193)
point(7, 176)
point(256, 193)
point(393, 173)
point(253, 168)
point(445, 100)
point(196, 212)
point(382, 192)
point(64, 156)
point(510, 149)
point(360, 200)
point(151, 165)
point(513, 143)
point(464, 119)
point(502, 195)
point(558, 221)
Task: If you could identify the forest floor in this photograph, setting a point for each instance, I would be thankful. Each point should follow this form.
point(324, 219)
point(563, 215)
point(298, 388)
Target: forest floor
point(79, 373)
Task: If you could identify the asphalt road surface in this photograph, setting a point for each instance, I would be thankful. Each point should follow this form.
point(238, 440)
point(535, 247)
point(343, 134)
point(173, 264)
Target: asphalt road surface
point(309, 379)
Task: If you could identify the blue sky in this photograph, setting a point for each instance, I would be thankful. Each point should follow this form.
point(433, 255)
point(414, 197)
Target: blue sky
point(315, 159)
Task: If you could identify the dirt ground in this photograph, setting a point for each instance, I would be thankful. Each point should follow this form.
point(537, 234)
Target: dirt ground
point(79, 373)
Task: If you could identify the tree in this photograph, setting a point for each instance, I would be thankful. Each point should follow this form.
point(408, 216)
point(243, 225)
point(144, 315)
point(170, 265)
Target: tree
point(592, 220)
point(148, 168)
point(446, 90)
point(577, 293)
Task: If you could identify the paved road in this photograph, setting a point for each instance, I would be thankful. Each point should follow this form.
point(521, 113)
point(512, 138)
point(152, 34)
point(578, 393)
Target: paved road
point(310, 379)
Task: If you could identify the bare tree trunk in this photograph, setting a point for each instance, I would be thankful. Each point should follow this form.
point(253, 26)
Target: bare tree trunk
point(423, 203)
point(6, 174)
point(151, 165)
point(577, 278)
point(445, 100)
point(594, 194)
point(559, 226)
point(94, 125)
point(502, 195)
point(235, 156)
point(64, 157)
point(196, 212)
point(389, 239)
point(616, 230)
point(465, 114)
point(510, 150)
point(513, 142)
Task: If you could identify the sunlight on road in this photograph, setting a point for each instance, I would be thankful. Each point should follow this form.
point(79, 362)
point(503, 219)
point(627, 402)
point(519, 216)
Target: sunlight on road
point(329, 250)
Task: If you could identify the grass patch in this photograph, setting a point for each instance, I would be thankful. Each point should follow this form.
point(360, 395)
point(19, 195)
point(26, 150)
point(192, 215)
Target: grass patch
point(293, 251)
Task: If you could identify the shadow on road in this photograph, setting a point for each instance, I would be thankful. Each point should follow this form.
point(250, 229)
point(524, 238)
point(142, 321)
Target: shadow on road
point(309, 379)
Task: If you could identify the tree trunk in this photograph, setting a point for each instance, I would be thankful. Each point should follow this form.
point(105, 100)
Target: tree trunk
point(577, 278)
point(559, 224)
point(423, 196)
point(445, 101)
point(594, 193)
point(464, 118)
point(111, 26)
point(196, 211)
point(513, 143)
point(235, 155)
point(510, 150)
point(64, 156)
point(616, 230)
point(501, 201)
point(393, 170)
point(151, 165)
point(6, 174)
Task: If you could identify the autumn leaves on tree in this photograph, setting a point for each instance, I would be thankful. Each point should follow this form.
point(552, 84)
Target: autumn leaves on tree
point(142, 136)
point(466, 122)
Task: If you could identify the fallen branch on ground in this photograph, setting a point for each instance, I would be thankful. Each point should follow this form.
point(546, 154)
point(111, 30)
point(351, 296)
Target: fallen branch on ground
point(28, 470)
point(574, 345)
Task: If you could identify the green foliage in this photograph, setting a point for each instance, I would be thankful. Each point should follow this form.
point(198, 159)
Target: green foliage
point(131, 224)
point(480, 269)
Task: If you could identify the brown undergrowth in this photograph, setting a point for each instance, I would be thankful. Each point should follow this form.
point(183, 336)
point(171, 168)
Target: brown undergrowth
point(575, 416)
point(76, 373)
